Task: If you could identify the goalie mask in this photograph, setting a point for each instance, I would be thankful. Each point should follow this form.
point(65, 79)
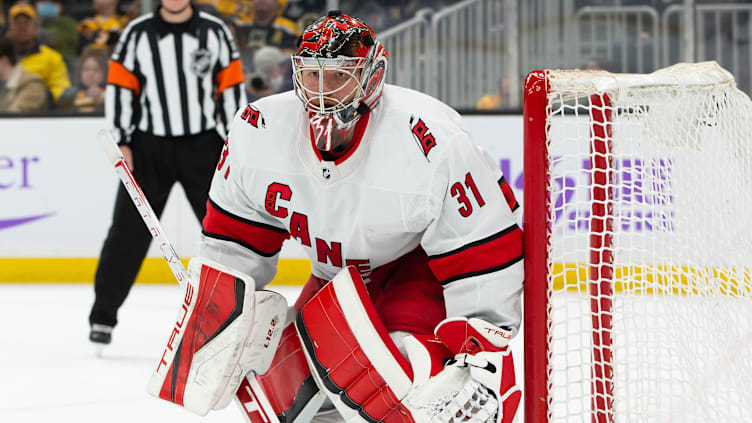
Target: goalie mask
point(338, 73)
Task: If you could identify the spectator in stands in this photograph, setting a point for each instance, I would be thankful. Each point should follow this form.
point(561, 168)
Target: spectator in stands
point(303, 12)
point(20, 90)
point(374, 13)
point(273, 73)
point(238, 11)
point(103, 29)
point(267, 28)
point(241, 12)
point(57, 30)
point(307, 19)
point(34, 56)
point(498, 100)
point(392, 12)
point(92, 80)
point(132, 11)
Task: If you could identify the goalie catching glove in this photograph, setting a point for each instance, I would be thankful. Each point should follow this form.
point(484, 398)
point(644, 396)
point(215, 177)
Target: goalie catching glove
point(488, 393)
point(356, 363)
point(224, 330)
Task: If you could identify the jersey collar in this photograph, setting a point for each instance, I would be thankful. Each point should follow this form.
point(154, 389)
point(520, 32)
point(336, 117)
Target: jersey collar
point(163, 27)
point(328, 172)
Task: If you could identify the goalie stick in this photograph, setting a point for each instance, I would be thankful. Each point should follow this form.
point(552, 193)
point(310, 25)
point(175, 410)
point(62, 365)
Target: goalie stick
point(142, 204)
point(251, 403)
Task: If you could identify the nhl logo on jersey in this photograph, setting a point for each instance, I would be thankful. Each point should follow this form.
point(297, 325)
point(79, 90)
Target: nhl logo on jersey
point(326, 173)
point(201, 62)
point(422, 135)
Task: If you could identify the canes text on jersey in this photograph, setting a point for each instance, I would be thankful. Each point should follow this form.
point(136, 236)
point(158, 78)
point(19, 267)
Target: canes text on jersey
point(325, 251)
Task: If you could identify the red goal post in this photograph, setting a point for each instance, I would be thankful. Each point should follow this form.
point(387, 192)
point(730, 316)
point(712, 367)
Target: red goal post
point(638, 257)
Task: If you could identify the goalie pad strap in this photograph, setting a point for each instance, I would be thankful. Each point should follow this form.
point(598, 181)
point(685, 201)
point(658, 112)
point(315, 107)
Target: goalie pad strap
point(287, 387)
point(256, 401)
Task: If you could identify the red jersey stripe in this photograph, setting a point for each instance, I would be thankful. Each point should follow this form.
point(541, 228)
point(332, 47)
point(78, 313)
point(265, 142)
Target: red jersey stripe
point(264, 240)
point(490, 254)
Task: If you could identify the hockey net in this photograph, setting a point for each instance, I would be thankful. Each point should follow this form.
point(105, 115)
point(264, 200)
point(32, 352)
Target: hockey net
point(638, 237)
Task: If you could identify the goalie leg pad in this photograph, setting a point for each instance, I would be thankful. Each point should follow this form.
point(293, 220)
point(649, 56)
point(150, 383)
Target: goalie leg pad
point(222, 331)
point(286, 393)
point(351, 354)
point(357, 364)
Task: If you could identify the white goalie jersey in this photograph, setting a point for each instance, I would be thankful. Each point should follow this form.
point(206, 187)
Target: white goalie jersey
point(412, 179)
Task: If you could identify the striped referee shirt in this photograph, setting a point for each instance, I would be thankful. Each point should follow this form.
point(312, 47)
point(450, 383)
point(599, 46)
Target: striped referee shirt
point(172, 80)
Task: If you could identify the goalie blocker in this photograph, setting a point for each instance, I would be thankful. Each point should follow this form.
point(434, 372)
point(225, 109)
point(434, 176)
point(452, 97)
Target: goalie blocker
point(223, 331)
point(358, 366)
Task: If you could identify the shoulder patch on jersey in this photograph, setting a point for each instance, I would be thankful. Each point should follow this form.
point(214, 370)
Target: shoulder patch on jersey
point(252, 115)
point(422, 135)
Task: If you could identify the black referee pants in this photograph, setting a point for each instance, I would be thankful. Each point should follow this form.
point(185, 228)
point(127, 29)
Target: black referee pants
point(158, 163)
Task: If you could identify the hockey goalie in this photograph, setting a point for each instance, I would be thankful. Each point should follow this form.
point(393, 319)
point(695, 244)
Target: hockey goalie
point(415, 249)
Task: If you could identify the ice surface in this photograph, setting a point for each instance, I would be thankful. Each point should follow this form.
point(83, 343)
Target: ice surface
point(49, 371)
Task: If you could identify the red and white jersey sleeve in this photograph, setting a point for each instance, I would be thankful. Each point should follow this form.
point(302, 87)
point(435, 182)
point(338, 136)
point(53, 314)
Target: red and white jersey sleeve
point(474, 242)
point(236, 232)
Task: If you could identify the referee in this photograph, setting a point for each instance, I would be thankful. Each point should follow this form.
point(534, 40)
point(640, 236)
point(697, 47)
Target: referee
point(174, 83)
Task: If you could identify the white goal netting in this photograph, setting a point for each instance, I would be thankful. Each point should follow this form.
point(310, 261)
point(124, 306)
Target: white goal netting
point(650, 246)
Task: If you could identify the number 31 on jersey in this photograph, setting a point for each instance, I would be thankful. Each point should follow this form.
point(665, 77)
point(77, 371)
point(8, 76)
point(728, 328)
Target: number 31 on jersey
point(458, 191)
